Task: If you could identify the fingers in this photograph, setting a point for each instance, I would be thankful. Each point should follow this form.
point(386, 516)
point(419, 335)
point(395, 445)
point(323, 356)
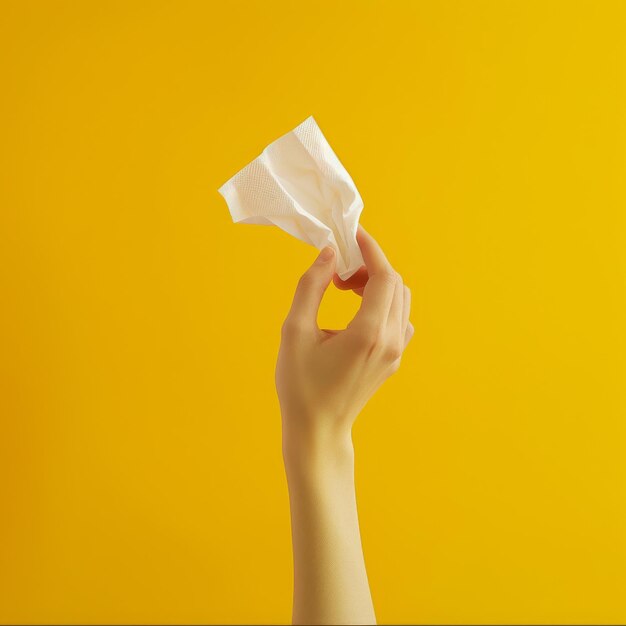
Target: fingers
point(310, 291)
point(410, 331)
point(406, 310)
point(375, 260)
point(407, 331)
point(407, 327)
point(379, 290)
point(396, 314)
point(386, 305)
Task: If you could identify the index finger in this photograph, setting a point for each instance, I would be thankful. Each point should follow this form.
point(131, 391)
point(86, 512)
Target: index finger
point(375, 260)
point(380, 287)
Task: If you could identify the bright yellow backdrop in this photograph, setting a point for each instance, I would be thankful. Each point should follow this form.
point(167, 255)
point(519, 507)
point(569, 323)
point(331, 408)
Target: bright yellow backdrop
point(140, 465)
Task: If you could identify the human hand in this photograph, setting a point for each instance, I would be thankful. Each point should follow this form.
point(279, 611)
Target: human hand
point(325, 377)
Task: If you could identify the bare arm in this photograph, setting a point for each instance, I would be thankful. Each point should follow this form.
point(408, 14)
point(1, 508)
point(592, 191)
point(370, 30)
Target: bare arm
point(323, 379)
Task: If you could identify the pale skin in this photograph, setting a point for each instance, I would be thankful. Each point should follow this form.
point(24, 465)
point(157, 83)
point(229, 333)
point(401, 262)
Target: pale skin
point(324, 378)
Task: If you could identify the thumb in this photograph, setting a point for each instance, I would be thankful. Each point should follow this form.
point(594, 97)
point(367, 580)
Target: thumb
point(310, 290)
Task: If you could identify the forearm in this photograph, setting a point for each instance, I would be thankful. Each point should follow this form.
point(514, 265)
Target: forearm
point(330, 580)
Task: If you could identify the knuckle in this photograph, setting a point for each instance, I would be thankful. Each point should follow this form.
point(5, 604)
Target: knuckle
point(375, 339)
point(395, 366)
point(392, 351)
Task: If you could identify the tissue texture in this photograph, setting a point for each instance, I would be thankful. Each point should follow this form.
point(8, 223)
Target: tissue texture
point(299, 185)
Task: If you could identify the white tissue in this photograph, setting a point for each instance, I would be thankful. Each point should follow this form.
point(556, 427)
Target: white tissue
point(299, 185)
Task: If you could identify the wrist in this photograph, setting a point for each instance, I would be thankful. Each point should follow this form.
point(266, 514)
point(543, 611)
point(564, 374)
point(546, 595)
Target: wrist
point(321, 447)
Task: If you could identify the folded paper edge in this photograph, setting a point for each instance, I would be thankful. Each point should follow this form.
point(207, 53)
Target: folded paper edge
point(229, 192)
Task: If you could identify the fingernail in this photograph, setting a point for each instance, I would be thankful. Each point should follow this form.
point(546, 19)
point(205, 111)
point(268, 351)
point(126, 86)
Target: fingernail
point(326, 254)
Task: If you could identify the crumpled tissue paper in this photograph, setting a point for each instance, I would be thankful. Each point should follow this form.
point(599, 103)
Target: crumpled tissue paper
point(298, 184)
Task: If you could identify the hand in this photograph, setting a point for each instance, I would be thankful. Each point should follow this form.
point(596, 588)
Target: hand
point(325, 377)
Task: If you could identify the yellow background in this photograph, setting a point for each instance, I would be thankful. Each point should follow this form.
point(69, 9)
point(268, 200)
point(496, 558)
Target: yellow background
point(141, 476)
